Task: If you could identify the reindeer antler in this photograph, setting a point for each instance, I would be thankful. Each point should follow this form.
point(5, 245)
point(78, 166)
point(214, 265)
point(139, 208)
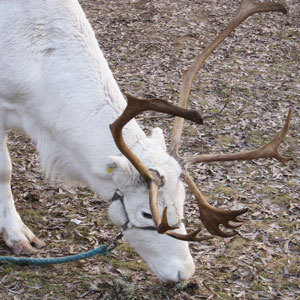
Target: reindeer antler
point(246, 9)
point(211, 217)
point(134, 107)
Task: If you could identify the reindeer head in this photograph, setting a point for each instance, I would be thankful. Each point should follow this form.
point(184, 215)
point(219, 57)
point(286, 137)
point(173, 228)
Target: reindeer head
point(134, 189)
point(131, 209)
point(153, 199)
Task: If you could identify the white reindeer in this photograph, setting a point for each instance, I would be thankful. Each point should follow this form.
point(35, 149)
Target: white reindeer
point(56, 85)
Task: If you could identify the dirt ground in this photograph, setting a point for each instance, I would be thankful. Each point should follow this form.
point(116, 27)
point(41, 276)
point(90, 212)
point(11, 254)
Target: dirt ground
point(148, 45)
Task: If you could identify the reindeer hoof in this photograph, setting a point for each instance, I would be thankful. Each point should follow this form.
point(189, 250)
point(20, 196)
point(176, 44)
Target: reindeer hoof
point(22, 248)
point(27, 248)
point(21, 240)
point(37, 243)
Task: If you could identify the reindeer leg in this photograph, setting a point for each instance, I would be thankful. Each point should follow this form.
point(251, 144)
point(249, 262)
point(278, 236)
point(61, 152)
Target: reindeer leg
point(16, 234)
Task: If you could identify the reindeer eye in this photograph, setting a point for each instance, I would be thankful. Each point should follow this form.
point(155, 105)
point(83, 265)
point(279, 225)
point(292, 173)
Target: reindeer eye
point(146, 215)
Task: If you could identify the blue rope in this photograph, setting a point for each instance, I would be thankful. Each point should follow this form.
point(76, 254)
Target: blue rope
point(102, 250)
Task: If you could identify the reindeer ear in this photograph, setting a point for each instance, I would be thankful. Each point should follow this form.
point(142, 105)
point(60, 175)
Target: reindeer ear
point(117, 164)
point(122, 172)
point(157, 134)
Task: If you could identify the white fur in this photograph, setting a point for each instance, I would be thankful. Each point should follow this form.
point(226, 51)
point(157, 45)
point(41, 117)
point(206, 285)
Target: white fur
point(56, 85)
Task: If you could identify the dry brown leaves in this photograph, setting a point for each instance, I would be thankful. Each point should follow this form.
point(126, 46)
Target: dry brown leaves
point(148, 45)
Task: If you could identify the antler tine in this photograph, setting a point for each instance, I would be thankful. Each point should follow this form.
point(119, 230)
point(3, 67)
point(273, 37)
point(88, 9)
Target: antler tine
point(212, 217)
point(192, 237)
point(270, 150)
point(134, 107)
point(247, 8)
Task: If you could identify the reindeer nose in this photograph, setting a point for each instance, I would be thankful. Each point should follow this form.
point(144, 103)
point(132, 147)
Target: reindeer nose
point(183, 277)
point(186, 273)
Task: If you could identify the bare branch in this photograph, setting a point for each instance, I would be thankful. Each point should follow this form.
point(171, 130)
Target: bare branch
point(219, 112)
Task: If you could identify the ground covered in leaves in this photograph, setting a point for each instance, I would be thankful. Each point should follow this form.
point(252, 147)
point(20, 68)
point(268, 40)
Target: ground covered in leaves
point(148, 45)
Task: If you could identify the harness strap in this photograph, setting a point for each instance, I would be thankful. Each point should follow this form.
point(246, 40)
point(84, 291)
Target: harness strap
point(118, 196)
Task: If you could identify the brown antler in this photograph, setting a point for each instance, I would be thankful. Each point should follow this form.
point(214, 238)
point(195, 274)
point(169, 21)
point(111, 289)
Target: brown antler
point(247, 8)
point(134, 107)
point(212, 217)
point(270, 150)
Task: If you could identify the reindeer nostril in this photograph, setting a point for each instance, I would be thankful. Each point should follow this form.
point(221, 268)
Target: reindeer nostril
point(179, 276)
